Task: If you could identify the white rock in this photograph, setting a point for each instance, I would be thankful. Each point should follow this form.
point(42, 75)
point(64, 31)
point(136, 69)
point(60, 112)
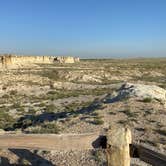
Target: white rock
point(142, 91)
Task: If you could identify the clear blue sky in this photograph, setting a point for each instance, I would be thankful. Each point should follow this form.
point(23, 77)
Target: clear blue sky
point(86, 28)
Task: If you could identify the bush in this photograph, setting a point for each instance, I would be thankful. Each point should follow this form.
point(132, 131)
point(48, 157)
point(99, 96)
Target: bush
point(6, 121)
point(32, 111)
point(13, 92)
point(23, 161)
point(6, 96)
point(129, 113)
point(161, 131)
point(24, 122)
point(16, 105)
point(147, 100)
point(49, 128)
point(99, 157)
point(50, 108)
point(98, 121)
point(21, 109)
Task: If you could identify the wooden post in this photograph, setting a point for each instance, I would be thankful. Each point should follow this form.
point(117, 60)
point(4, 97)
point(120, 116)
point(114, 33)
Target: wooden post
point(118, 151)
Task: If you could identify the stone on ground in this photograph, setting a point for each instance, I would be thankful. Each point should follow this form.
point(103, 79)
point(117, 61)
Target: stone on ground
point(142, 91)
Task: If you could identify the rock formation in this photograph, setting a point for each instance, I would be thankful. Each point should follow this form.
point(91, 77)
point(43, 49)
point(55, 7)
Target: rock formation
point(68, 59)
point(142, 91)
point(10, 60)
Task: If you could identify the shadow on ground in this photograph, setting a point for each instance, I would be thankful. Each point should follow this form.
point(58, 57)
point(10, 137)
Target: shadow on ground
point(26, 158)
point(33, 120)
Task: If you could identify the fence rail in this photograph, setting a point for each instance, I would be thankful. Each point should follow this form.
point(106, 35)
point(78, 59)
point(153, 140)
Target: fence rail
point(147, 155)
point(51, 141)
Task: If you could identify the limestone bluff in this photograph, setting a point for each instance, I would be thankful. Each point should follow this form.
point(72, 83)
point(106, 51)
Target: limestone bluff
point(11, 60)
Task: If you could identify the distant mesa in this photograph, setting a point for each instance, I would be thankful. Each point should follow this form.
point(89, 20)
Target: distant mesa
point(11, 60)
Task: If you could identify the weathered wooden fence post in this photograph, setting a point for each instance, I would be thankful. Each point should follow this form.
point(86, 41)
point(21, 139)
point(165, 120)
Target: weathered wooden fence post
point(118, 151)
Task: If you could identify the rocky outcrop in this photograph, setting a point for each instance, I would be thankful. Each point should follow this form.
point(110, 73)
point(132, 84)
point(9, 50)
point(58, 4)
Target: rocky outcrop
point(142, 91)
point(68, 59)
point(10, 60)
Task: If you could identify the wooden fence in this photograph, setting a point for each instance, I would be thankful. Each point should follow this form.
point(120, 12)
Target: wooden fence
point(117, 141)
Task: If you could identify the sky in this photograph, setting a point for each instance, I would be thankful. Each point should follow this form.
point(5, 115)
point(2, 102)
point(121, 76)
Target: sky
point(84, 28)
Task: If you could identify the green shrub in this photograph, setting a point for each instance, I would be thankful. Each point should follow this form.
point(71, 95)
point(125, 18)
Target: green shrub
point(124, 122)
point(5, 96)
point(24, 161)
point(13, 92)
point(129, 113)
point(20, 109)
point(99, 157)
point(50, 108)
point(98, 121)
point(6, 121)
point(31, 111)
point(147, 100)
point(24, 123)
point(41, 105)
point(49, 128)
point(16, 105)
point(162, 132)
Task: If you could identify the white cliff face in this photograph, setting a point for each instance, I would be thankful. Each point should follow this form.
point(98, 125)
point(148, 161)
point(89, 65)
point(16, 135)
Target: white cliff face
point(142, 91)
point(67, 59)
point(9, 61)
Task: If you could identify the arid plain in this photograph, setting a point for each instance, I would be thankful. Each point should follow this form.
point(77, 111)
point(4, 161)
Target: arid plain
point(84, 97)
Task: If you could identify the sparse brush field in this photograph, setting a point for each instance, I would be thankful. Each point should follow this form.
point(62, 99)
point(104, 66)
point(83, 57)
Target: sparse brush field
point(73, 98)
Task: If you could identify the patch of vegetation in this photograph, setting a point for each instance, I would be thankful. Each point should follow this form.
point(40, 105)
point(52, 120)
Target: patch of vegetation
point(6, 96)
point(129, 113)
point(105, 81)
point(125, 98)
point(41, 105)
point(147, 100)
point(52, 92)
point(74, 106)
point(161, 131)
point(148, 129)
point(133, 120)
point(50, 108)
point(53, 95)
point(98, 121)
point(20, 109)
point(23, 122)
point(147, 112)
point(6, 121)
point(158, 79)
point(49, 128)
point(13, 92)
point(163, 86)
point(32, 111)
point(24, 161)
point(16, 105)
point(99, 156)
point(53, 74)
point(124, 122)
point(112, 113)
point(95, 114)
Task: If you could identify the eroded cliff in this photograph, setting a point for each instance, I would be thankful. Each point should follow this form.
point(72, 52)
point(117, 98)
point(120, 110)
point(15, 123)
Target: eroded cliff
point(10, 60)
